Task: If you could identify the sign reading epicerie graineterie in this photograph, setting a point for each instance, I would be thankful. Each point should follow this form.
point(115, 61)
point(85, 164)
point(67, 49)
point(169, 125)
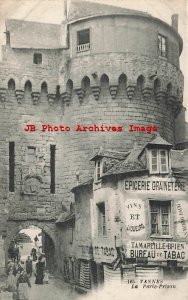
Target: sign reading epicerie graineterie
point(154, 185)
point(156, 250)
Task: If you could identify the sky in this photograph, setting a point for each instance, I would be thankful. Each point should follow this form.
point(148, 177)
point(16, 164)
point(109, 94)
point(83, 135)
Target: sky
point(51, 11)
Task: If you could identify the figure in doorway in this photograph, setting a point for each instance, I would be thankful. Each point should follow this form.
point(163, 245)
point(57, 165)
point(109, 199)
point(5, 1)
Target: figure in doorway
point(29, 266)
point(39, 273)
point(34, 254)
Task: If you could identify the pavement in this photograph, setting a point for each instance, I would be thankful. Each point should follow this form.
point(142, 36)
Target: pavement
point(56, 289)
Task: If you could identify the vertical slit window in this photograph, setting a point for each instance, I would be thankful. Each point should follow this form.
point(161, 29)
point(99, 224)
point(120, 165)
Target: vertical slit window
point(11, 166)
point(102, 231)
point(52, 168)
point(162, 45)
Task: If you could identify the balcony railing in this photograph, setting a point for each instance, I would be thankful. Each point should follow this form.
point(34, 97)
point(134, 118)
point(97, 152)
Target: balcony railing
point(83, 47)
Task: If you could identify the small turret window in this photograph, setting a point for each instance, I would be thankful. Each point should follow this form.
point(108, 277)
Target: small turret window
point(162, 45)
point(37, 58)
point(83, 40)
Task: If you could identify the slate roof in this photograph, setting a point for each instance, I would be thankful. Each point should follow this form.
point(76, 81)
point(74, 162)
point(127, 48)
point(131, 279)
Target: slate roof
point(111, 154)
point(129, 164)
point(134, 162)
point(159, 141)
point(86, 183)
point(82, 9)
point(65, 217)
point(26, 34)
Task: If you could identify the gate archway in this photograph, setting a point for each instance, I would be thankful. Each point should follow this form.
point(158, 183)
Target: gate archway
point(49, 235)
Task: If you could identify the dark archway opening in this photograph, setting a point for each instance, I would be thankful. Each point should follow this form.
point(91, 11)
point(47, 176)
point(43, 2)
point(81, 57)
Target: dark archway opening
point(33, 242)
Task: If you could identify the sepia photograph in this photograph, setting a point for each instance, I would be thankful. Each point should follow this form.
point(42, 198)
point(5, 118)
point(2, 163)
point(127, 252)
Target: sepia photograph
point(93, 149)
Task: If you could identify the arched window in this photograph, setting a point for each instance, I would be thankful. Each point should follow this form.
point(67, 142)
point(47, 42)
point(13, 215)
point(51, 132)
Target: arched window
point(169, 89)
point(44, 87)
point(28, 86)
point(140, 83)
point(122, 80)
point(85, 84)
point(69, 86)
point(11, 84)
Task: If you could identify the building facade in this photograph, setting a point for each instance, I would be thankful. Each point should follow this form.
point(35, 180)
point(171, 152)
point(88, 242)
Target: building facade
point(104, 77)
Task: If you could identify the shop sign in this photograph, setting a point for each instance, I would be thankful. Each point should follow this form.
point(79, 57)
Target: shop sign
point(157, 250)
point(135, 216)
point(154, 185)
point(85, 251)
point(181, 213)
point(104, 253)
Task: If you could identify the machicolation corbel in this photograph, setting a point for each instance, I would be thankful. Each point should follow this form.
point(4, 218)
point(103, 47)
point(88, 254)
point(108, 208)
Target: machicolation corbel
point(96, 91)
point(35, 97)
point(80, 92)
point(160, 94)
point(130, 89)
point(3, 94)
point(51, 98)
point(19, 96)
point(66, 98)
point(113, 91)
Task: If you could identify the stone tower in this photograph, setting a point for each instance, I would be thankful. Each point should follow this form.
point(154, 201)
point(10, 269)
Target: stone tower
point(103, 66)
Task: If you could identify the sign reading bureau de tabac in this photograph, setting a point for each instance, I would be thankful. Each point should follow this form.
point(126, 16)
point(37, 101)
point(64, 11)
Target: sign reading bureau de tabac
point(157, 250)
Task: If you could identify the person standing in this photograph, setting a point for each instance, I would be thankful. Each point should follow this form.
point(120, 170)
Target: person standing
point(11, 281)
point(34, 254)
point(39, 272)
point(29, 266)
point(23, 283)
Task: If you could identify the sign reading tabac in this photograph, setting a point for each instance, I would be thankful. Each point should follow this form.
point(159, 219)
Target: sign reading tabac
point(157, 250)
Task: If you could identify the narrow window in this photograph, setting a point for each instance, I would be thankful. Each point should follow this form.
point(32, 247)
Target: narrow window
point(11, 166)
point(162, 45)
point(163, 161)
point(159, 161)
point(37, 58)
point(7, 37)
point(98, 170)
point(154, 161)
point(31, 155)
point(83, 40)
point(52, 168)
point(71, 234)
point(101, 219)
point(160, 217)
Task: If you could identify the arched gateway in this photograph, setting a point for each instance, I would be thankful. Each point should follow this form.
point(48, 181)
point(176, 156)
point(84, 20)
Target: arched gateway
point(48, 229)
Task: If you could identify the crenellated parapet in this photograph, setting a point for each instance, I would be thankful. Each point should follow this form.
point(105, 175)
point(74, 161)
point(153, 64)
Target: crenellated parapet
point(144, 77)
point(150, 80)
point(27, 84)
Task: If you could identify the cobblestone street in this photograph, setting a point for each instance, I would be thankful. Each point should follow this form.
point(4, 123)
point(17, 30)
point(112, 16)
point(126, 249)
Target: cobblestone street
point(56, 289)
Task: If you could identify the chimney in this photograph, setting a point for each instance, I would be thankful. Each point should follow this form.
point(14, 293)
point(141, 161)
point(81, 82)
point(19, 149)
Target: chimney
point(65, 9)
point(175, 22)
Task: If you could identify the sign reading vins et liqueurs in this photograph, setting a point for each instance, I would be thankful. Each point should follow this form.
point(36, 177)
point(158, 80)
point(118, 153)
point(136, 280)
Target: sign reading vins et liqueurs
point(135, 216)
point(157, 250)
